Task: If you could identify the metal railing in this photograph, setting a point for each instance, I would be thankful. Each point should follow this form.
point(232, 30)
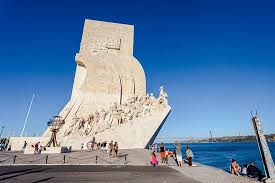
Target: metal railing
point(65, 159)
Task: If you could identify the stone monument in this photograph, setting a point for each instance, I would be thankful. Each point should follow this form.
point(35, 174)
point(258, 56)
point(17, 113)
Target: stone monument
point(109, 99)
point(267, 160)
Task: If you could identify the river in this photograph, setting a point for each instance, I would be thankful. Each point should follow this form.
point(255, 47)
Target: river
point(219, 155)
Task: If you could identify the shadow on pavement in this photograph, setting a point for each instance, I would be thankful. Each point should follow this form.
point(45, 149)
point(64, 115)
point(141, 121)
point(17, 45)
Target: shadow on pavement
point(43, 180)
point(17, 171)
point(24, 173)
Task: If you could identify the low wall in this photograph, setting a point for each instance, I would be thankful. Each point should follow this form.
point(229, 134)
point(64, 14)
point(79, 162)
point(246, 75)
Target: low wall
point(17, 143)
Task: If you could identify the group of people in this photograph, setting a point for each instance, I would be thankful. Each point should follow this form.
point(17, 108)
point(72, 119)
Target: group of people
point(249, 170)
point(166, 153)
point(37, 147)
point(111, 148)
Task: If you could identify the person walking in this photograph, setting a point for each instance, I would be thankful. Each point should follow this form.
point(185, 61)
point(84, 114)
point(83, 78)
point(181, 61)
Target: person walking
point(179, 154)
point(167, 154)
point(154, 161)
point(110, 148)
point(162, 152)
point(116, 149)
point(36, 147)
point(189, 155)
point(24, 146)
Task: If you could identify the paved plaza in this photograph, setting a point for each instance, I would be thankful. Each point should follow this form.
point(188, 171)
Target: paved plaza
point(91, 173)
point(97, 166)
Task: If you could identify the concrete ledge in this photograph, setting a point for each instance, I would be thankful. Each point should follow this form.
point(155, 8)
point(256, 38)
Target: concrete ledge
point(55, 150)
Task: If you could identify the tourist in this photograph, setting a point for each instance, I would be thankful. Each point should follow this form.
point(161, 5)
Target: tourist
point(98, 146)
point(154, 147)
point(167, 154)
point(154, 161)
point(189, 155)
point(40, 150)
point(93, 143)
point(162, 152)
point(110, 148)
point(235, 168)
point(253, 171)
point(105, 146)
point(179, 154)
point(36, 147)
point(24, 146)
point(244, 170)
point(116, 150)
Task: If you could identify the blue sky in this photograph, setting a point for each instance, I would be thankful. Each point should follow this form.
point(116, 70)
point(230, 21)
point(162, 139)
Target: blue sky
point(216, 59)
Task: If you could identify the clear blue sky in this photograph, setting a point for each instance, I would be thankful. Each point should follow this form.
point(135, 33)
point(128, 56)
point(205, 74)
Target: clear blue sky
point(216, 59)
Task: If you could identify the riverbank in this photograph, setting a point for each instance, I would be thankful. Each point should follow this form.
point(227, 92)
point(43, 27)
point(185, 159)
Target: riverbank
point(136, 159)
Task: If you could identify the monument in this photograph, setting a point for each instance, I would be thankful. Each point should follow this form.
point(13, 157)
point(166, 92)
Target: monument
point(109, 99)
point(267, 160)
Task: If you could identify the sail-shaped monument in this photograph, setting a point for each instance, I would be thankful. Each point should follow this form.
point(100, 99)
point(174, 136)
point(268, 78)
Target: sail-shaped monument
point(109, 101)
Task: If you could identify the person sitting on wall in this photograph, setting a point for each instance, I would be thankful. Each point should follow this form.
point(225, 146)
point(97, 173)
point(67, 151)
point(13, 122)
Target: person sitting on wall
point(244, 170)
point(235, 168)
point(253, 171)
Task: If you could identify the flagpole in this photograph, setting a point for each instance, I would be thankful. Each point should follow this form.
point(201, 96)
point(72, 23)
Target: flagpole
point(23, 130)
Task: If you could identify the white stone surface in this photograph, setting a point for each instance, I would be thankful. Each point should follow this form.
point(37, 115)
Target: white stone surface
point(29, 150)
point(17, 143)
point(55, 150)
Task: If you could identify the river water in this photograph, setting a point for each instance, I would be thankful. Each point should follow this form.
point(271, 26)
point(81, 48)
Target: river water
point(219, 155)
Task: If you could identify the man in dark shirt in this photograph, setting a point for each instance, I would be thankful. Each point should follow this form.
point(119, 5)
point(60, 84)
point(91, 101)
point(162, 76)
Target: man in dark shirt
point(253, 171)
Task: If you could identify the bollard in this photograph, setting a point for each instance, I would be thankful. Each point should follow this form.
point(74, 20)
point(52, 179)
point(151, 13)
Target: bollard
point(46, 159)
point(96, 159)
point(64, 159)
point(125, 159)
point(14, 158)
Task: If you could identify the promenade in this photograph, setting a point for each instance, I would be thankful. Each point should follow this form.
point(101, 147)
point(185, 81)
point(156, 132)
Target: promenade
point(97, 166)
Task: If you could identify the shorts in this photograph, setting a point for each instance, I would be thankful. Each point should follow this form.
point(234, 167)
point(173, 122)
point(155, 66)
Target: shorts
point(162, 154)
point(179, 158)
